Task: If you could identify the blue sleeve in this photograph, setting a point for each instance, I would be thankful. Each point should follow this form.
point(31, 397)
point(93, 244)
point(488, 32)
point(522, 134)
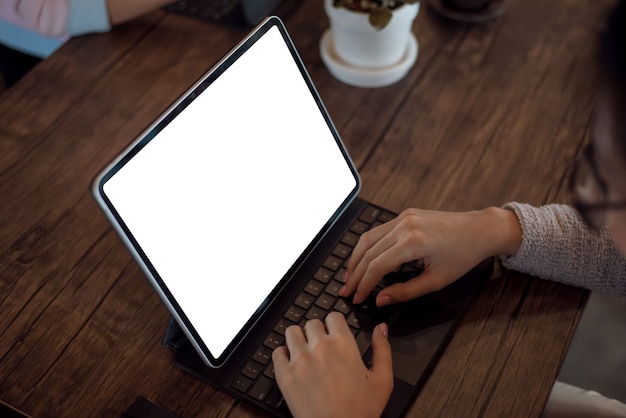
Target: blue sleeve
point(88, 16)
point(27, 41)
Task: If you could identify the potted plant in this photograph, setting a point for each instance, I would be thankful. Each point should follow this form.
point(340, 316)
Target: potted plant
point(379, 12)
point(370, 35)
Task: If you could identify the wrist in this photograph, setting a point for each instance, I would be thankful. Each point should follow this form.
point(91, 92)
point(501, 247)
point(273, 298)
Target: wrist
point(502, 229)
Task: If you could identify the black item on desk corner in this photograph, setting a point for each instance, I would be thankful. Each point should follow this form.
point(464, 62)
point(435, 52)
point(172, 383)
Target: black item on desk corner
point(237, 13)
point(145, 408)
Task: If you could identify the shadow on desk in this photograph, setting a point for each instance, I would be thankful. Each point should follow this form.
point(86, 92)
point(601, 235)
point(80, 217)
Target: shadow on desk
point(7, 411)
point(145, 408)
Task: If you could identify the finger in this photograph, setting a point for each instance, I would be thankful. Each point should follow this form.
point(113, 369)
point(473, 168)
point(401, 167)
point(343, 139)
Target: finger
point(280, 357)
point(428, 281)
point(365, 242)
point(295, 340)
point(382, 365)
point(375, 250)
point(314, 329)
point(336, 324)
point(384, 263)
point(371, 237)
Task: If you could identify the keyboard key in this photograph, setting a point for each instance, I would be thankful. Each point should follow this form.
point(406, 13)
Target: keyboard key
point(366, 306)
point(325, 301)
point(333, 263)
point(269, 371)
point(339, 274)
point(369, 214)
point(354, 321)
point(405, 274)
point(363, 341)
point(294, 314)
point(261, 388)
point(252, 369)
point(342, 306)
point(274, 340)
point(323, 275)
point(342, 251)
point(314, 288)
point(386, 216)
point(316, 313)
point(350, 239)
point(282, 326)
point(333, 288)
point(242, 383)
point(274, 399)
point(304, 300)
point(359, 227)
point(407, 268)
point(263, 355)
point(419, 264)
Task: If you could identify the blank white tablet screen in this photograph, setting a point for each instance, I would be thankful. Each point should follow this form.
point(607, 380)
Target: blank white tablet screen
point(227, 196)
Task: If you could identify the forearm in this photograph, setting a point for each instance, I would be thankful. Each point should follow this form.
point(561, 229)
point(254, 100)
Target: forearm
point(60, 18)
point(87, 16)
point(557, 245)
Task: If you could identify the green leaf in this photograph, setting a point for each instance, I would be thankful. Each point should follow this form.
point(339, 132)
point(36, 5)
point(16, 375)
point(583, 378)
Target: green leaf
point(379, 18)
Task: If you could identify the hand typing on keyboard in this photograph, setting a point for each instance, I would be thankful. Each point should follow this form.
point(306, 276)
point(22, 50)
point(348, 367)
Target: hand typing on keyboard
point(321, 374)
point(450, 244)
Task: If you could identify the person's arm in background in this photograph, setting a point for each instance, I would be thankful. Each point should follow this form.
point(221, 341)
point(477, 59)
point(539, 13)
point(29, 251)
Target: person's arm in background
point(62, 18)
point(37, 28)
point(558, 246)
point(551, 242)
point(449, 243)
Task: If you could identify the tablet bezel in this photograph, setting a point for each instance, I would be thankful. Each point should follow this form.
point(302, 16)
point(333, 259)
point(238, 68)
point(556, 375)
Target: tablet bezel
point(163, 120)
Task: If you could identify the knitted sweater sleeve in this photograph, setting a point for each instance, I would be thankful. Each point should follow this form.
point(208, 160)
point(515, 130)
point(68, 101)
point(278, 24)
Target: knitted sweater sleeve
point(557, 245)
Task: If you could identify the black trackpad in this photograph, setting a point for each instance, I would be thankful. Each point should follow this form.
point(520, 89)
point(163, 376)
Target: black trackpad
point(417, 335)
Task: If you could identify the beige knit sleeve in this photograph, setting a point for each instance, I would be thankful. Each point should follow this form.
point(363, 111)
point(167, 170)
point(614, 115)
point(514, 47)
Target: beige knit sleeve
point(557, 245)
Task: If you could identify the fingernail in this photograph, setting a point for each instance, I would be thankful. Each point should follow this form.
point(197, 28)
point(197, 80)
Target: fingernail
point(383, 300)
point(343, 289)
point(384, 329)
point(355, 299)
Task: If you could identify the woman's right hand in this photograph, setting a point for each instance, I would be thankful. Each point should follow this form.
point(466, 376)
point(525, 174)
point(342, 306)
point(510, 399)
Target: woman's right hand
point(449, 243)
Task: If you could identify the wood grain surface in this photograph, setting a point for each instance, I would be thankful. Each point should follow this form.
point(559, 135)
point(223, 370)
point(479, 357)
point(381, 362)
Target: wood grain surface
point(490, 113)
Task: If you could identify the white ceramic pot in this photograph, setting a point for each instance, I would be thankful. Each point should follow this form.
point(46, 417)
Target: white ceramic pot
point(359, 44)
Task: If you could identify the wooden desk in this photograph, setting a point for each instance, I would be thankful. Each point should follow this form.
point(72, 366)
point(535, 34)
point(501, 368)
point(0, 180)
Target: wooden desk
point(490, 113)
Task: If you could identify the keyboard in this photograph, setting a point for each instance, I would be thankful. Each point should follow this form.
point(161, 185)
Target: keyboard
point(317, 299)
point(238, 13)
